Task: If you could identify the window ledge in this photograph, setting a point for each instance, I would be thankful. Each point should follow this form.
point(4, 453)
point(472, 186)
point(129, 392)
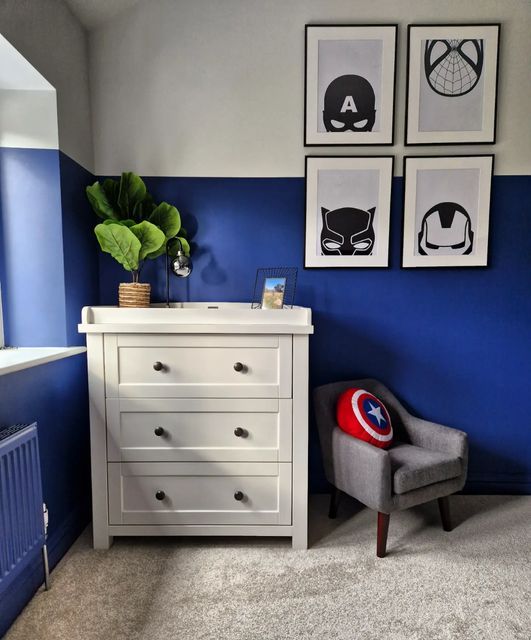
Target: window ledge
point(12, 360)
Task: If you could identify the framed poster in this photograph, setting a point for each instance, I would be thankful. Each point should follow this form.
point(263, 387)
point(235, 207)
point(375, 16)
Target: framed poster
point(348, 204)
point(350, 84)
point(452, 81)
point(446, 211)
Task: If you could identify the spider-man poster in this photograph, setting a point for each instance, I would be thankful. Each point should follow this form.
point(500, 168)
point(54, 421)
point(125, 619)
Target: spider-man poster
point(452, 83)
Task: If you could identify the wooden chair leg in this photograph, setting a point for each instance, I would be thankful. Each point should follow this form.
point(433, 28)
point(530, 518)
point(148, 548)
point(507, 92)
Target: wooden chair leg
point(381, 536)
point(335, 496)
point(444, 510)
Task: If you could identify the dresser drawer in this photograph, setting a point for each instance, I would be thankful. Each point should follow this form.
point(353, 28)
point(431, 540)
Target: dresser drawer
point(198, 366)
point(199, 493)
point(201, 429)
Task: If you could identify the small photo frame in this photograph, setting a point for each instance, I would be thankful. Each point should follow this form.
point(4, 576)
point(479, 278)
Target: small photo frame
point(273, 293)
point(348, 205)
point(452, 79)
point(350, 84)
point(274, 288)
point(446, 211)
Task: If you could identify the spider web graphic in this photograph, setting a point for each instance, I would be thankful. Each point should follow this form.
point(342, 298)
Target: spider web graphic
point(453, 75)
point(456, 71)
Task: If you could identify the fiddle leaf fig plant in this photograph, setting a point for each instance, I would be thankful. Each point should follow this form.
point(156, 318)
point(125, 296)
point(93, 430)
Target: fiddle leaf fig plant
point(133, 227)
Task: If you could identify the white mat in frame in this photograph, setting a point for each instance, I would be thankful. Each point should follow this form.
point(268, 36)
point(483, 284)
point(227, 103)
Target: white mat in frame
point(446, 210)
point(348, 206)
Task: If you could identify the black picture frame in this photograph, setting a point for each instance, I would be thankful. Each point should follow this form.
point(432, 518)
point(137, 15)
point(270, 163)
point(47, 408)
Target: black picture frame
point(480, 258)
point(446, 107)
point(381, 222)
point(388, 33)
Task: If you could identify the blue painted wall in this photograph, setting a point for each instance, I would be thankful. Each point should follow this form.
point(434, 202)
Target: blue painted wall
point(55, 395)
point(80, 247)
point(31, 254)
point(453, 343)
point(48, 252)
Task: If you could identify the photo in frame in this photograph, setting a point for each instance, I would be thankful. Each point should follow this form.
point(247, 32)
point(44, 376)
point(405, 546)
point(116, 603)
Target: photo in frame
point(348, 205)
point(452, 81)
point(446, 211)
point(273, 293)
point(349, 84)
point(274, 288)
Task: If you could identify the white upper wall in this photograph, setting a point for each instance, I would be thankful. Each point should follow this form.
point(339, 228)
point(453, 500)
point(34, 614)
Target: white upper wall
point(28, 103)
point(215, 88)
point(16, 72)
point(28, 119)
point(48, 35)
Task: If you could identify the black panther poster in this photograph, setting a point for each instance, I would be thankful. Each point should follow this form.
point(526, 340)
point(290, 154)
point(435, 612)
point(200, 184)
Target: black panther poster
point(347, 215)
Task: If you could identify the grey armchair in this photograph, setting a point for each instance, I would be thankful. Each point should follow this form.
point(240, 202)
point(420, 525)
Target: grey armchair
point(426, 461)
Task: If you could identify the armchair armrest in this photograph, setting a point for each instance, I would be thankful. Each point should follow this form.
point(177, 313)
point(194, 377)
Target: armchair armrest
point(436, 437)
point(362, 470)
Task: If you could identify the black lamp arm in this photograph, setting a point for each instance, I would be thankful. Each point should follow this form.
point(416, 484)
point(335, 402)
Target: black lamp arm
point(168, 243)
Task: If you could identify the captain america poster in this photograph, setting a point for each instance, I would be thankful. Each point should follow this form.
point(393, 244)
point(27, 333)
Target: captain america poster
point(349, 84)
point(347, 211)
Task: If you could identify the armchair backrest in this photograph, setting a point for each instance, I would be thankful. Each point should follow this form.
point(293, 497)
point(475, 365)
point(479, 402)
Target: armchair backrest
point(325, 399)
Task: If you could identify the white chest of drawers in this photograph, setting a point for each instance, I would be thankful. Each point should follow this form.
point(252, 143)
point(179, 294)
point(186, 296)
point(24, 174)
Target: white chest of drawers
point(199, 420)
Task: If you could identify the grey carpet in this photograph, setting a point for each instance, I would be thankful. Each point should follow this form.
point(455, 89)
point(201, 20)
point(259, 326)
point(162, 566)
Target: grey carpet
point(472, 583)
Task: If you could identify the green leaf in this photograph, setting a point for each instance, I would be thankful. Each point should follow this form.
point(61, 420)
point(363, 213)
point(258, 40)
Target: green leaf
point(111, 189)
point(100, 202)
point(167, 218)
point(125, 223)
point(159, 252)
point(151, 238)
point(174, 247)
point(132, 191)
point(186, 246)
point(121, 243)
point(143, 210)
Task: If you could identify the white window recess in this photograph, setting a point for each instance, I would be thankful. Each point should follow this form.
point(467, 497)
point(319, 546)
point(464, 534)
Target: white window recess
point(28, 119)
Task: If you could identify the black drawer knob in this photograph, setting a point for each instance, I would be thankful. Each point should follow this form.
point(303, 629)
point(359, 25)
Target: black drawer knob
point(160, 495)
point(159, 431)
point(158, 366)
point(238, 496)
point(238, 366)
point(240, 433)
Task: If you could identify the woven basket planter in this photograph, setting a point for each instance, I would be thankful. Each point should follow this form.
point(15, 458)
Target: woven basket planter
point(134, 294)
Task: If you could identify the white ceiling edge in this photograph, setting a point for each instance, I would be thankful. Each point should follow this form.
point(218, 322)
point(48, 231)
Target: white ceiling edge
point(93, 13)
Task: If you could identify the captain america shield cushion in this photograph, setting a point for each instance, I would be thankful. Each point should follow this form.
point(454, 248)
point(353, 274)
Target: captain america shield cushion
point(361, 415)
